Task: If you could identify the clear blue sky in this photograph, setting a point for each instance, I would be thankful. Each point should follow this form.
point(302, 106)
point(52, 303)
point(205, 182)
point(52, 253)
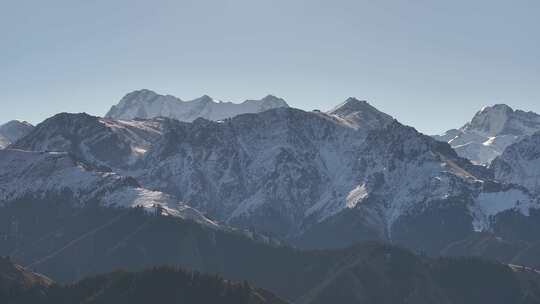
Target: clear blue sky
point(431, 64)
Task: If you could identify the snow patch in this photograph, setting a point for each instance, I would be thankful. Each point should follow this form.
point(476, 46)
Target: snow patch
point(356, 196)
point(489, 204)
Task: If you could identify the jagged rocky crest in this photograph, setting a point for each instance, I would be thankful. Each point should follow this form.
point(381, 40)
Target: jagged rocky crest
point(148, 104)
point(490, 131)
point(13, 130)
point(360, 114)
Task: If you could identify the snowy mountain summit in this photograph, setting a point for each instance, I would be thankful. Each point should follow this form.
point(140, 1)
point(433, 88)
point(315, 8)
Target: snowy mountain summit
point(148, 104)
point(491, 130)
point(12, 131)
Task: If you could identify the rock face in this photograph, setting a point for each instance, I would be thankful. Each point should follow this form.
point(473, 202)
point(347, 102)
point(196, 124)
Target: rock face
point(420, 194)
point(148, 104)
point(520, 163)
point(269, 171)
point(11, 131)
point(490, 131)
point(350, 174)
point(286, 171)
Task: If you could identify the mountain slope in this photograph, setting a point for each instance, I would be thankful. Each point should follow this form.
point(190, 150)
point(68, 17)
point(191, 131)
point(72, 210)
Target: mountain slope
point(365, 273)
point(13, 130)
point(520, 163)
point(148, 104)
point(99, 141)
point(45, 176)
point(166, 284)
point(383, 274)
point(490, 131)
point(419, 193)
point(360, 114)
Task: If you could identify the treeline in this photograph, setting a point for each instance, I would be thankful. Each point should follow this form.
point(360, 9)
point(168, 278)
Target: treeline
point(156, 285)
point(52, 238)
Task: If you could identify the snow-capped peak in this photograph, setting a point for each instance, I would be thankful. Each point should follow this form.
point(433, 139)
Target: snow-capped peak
point(491, 120)
point(361, 114)
point(501, 119)
point(490, 131)
point(148, 104)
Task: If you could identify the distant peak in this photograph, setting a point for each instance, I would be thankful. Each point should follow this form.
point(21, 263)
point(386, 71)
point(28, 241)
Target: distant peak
point(65, 119)
point(73, 115)
point(274, 101)
point(351, 105)
point(355, 103)
point(205, 98)
point(497, 107)
point(141, 92)
point(147, 104)
point(502, 119)
point(355, 100)
point(13, 130)
point(145, 91)
point(361, 114)
point(17, 122)
point(271, 97)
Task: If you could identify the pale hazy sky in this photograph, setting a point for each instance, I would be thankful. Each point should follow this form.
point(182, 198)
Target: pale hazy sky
point(430, 64)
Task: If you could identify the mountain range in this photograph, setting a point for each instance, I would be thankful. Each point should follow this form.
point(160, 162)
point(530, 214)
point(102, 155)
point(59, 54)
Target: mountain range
point(299, 175)
point(149, 104)
point(268, 174)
